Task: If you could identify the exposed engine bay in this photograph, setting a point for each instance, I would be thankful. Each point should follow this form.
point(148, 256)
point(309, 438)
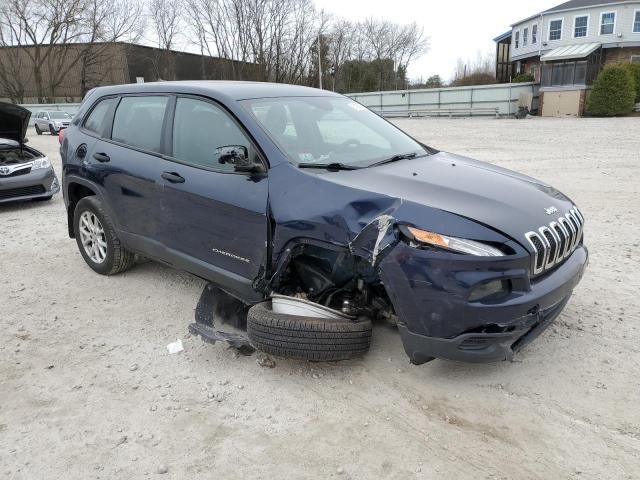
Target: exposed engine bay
point(15, 155)
point(335, 279)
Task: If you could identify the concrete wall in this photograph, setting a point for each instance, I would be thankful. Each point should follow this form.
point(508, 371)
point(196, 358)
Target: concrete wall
point(504, 97)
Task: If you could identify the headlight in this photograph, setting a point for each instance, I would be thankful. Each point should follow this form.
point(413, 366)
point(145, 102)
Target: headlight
point(41, 163)
point(460, 245)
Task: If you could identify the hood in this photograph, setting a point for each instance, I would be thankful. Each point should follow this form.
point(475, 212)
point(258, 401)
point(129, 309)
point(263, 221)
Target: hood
point(496, 197)
point(14, 121)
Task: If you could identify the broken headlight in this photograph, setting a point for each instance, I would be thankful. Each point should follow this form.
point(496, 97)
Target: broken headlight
point(459, 245)
point(41, 163)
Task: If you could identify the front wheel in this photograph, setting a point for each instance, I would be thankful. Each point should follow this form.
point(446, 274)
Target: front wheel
point(53, 130)
point(97, 240)
point(38, 131)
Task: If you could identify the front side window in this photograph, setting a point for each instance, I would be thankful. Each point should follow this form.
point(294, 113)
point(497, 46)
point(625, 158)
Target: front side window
point(534, 34)
point(555, 30)
point(326, 130)
point(525, 37)
point(580, 27)
point(199, 129)
point(98, 118)
point(138, 122)
point(636, 22)
point(517, 39)
point(607, 23)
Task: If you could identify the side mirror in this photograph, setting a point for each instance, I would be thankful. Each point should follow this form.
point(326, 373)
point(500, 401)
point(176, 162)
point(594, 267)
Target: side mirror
point(238, 156)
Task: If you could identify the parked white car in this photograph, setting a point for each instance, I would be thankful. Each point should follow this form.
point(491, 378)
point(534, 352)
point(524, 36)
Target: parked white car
point(51, 121)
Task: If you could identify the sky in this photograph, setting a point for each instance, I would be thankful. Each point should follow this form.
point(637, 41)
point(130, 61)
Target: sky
point(458, 28)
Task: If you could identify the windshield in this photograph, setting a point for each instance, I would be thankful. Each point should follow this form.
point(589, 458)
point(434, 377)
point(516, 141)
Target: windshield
point(327, 130)
point(59, 115)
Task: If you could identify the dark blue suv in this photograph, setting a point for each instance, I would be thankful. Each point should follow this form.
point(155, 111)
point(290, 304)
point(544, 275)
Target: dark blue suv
point(320, 215)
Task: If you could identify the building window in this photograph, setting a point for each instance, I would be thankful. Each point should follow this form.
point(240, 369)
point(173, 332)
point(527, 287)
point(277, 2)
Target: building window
point(635, 58)
point(607, 23)
point(636, 22)
point(525, 37)
point(517, 39)
point(555, 30)
point(580, 27)
point(534, 34)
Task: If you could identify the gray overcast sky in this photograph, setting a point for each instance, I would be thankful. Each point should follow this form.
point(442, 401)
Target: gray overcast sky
point(457, 28)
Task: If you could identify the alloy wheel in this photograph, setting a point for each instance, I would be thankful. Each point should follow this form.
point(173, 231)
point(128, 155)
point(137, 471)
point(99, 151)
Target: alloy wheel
point(93, 237)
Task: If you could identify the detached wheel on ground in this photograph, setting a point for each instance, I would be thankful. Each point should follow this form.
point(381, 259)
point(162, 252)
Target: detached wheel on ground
point(307, 338)
point(97, 240)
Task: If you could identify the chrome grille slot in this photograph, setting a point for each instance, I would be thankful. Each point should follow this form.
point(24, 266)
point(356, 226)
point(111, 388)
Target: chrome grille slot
point(555, 242)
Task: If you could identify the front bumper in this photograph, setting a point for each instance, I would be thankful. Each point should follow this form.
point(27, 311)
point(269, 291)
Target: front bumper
point(430, 296)
point(36, 184)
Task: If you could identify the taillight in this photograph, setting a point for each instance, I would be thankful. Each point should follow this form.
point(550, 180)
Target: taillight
point(61, 136)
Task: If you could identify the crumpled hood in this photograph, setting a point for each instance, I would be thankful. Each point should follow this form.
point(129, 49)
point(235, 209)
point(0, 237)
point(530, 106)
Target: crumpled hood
point(14, 121)
point(496, 197)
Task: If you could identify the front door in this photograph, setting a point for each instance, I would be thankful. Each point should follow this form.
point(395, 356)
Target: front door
point(215, 219)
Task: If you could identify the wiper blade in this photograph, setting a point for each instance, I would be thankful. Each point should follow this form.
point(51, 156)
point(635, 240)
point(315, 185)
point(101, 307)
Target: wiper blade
point(395, 158)
point(328, 166)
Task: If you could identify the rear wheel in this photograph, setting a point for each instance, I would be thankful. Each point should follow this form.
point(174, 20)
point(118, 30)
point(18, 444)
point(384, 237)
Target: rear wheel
point(97, 240)
point(38, 131)
point(307, 338)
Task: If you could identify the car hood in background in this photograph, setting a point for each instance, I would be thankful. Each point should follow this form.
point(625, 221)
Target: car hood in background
point(496, 197)
point(14, 121)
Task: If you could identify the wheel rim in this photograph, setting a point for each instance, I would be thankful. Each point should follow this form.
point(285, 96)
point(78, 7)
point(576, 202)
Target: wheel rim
point(92, 236)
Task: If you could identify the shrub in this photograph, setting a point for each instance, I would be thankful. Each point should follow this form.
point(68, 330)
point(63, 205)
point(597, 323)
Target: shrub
point(613, 92)
point(634, 70)
point(479, 78)
point(523, 77)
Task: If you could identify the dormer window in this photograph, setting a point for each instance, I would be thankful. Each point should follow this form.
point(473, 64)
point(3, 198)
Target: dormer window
point(607, 23)
point(555, 30)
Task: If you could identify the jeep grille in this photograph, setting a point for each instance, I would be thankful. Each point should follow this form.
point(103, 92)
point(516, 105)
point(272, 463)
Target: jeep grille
point(553, 243)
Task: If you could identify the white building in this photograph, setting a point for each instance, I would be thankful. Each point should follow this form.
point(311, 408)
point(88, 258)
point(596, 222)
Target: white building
point(565, 47)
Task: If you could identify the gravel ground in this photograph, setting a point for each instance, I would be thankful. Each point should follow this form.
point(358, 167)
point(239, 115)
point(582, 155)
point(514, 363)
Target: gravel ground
point(88, 390)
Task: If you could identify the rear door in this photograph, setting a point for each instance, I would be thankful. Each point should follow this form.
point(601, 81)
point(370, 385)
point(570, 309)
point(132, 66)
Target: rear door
point(215, 219)
point(128, 163)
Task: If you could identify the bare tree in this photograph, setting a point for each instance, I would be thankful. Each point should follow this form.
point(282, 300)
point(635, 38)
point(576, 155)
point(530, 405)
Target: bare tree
point(107, 21)
point(166, 18)
point(38, 24)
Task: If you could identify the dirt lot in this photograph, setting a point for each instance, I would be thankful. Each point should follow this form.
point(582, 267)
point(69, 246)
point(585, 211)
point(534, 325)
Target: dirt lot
point(88, 390)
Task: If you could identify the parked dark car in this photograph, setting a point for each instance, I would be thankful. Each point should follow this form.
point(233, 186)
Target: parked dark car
point(25, 173)
point(304, 199)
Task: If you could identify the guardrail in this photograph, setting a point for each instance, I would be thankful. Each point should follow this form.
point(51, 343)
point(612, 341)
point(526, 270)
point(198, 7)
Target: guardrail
point(453, 101)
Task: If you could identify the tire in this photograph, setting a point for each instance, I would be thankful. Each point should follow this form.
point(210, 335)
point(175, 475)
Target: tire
point(116, 258)
point(38, 131)
point(307, 338)
point(52, 130)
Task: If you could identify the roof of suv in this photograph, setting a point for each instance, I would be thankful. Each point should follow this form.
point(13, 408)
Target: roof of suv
point(231, 89)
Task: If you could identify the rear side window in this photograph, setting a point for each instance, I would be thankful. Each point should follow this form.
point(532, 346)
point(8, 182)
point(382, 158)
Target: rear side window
point(199, 128)
point(138, 122)
point(97, 120)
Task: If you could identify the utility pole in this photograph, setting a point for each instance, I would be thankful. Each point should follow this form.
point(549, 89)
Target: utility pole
point(319, 61)
point(320, 49)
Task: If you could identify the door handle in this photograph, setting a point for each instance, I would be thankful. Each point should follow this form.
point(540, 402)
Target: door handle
point(102, 157)
point(172, 177)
